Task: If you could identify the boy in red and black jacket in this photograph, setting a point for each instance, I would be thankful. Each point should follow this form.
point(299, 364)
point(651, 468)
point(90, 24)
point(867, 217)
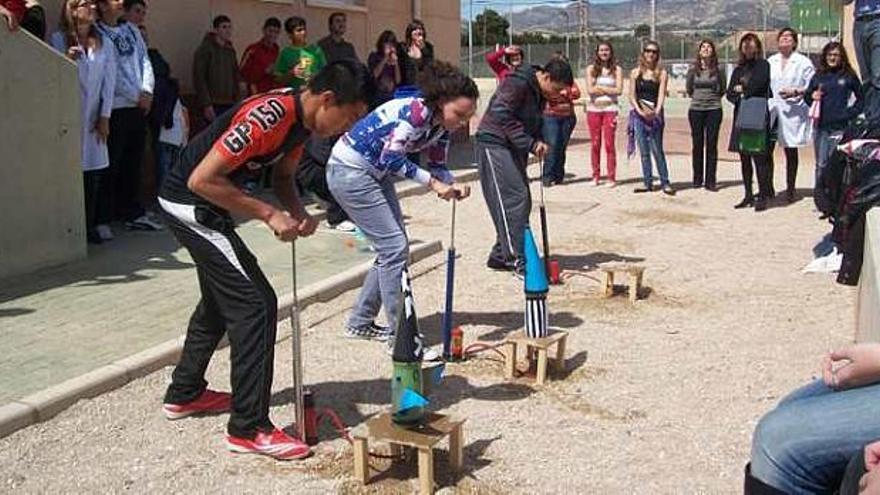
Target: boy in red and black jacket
point(197, 199)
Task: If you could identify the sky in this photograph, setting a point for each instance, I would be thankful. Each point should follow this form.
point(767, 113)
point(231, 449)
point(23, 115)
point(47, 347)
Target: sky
point(503, 5)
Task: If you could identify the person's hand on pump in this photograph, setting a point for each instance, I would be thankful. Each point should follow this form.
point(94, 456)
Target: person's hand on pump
point(449, 191)
point(540, 149)
point(853, 366)
point(307, 224)
point(283, 225)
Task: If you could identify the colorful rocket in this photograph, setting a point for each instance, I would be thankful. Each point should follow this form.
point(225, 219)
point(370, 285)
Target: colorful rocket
point(536, 287)
point(408, 402)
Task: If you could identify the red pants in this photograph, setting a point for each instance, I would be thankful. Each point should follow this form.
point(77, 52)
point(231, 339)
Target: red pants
point(602, 126)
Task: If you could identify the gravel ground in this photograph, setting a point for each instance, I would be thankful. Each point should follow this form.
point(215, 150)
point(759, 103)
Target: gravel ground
point(659, 397)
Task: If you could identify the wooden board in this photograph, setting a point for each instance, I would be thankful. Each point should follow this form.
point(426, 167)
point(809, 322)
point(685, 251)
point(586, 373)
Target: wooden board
point(434, 429)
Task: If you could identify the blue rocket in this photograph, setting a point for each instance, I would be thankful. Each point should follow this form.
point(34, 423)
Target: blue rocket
point(536, 288)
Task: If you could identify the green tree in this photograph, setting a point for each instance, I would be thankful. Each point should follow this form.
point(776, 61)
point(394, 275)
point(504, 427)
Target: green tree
point(490, 28)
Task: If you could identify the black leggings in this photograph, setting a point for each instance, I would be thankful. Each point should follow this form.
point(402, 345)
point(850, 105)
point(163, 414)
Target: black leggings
point(761, 165)
point(791, 167)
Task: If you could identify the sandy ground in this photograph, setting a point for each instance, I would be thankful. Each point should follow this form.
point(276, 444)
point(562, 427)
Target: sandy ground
point(659, 397)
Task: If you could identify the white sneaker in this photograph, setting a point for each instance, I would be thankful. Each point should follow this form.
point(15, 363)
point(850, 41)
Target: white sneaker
point(143, 222)
point(104, 232)
point(344, 226)
point(431, 354)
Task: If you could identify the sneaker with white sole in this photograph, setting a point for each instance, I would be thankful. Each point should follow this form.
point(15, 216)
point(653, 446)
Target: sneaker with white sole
point(273, 443)
point(144, 222)
point(209, 402)
point(369, 332)
point(104, 232)
point(344, 226)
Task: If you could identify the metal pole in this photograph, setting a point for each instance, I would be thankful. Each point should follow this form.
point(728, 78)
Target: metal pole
point(471, 40)
point(510, 24)
point(296, 346)
point(654, 20)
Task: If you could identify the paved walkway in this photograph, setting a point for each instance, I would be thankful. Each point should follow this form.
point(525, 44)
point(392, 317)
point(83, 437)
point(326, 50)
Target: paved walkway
point(131, 294)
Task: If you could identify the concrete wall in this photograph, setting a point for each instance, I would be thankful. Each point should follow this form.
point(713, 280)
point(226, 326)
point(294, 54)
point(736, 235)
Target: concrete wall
point(868, 306)
point(177, 27)
point(41, 198)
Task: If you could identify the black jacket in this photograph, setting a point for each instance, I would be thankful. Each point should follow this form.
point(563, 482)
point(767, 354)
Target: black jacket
point(513, 118)
point(754, 77)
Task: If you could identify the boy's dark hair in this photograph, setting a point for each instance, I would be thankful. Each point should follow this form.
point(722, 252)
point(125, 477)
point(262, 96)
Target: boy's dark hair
point(220, 20)
point(293, 22)
point(441, 81)
point(272, 22)
point(129, 4)
point(349, 80)
point(334, 16)
point(559, 71)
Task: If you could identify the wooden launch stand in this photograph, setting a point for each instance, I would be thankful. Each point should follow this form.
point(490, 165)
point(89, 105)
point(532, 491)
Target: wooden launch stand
point(539, 347)
point(423, 438)
point(635, 273)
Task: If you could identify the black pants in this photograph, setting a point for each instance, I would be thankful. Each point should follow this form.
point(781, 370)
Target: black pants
point(312, 176)
point(121, 197)
point(705, 125)
point(791, 168)
point(761, 169)
point(236, 299)
point(92, 192)
point(506, 191)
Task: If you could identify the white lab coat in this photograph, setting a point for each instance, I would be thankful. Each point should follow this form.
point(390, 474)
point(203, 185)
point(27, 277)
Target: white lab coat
point(96, 71)
point(792, 115)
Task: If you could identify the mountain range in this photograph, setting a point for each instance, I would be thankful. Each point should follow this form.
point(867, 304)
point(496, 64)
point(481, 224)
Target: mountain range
point(726, 15)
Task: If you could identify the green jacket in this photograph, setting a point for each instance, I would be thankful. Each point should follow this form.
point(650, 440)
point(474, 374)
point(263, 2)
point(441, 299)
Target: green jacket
point(216, 76)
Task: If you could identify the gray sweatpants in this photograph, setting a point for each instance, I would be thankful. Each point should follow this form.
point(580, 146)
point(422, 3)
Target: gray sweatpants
point(506, 190)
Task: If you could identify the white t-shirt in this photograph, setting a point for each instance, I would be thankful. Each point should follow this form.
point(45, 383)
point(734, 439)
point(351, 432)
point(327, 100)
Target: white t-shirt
point(177, 134)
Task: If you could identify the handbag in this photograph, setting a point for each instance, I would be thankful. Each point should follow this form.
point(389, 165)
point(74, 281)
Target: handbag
point(751, 125)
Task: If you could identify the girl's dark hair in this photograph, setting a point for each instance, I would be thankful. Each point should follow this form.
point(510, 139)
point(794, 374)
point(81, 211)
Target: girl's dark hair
point(791, 31)
point(349, 80)
point(412, 26)
point(387, 36)
point(442, 81)
point(844, 65)
point(713, 60)
point(67, 26)
point(292, 23)
point(220, 20)
point(749, 38)
point(597, 65)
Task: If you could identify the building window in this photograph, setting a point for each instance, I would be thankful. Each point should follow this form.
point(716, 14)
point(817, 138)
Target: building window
point(352, 5)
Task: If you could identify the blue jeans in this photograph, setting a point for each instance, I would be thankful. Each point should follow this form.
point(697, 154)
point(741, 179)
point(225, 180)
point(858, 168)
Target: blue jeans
point(166, 156)
point(804, 445)
point(373, 206)
point(651, 145)
point(824, 146)
point(866, 37)
point(557, 132)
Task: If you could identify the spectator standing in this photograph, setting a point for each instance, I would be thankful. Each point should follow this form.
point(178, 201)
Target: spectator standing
point(386, 66)
point(509, 131)
point(751, 79)
point(132, 99)
point(646, 119)
point(419, 52)
point(866, 39)
point(706, 83)
point(78, 39)
point(559, 122)
point(504, 60)
point(13, 11)
point(216, 77)
point(334, 45)
point(604, 86)
point(258, 60)
point(298, 62)
point(34, 19)
point(790, 73)
point(837, 86)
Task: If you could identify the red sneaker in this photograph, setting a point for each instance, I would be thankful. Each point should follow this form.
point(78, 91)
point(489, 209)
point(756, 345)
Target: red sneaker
point(209, 402)
point(275, 444)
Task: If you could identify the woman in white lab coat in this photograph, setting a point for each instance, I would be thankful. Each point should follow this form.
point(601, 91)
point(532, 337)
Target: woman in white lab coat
point(790, 74)
point(79, 40)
